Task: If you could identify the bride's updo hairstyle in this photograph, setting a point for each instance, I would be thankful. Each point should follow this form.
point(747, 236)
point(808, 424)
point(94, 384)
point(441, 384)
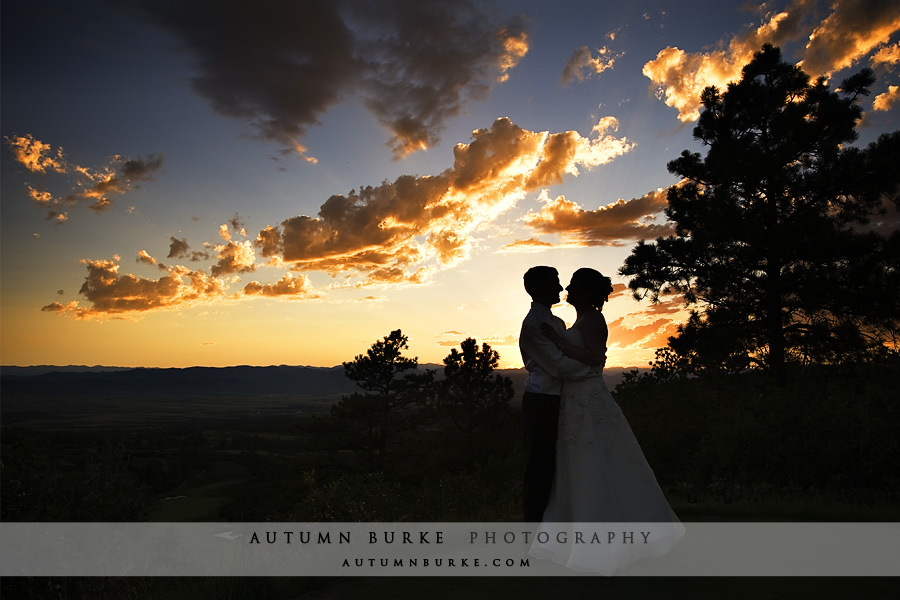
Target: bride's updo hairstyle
point(597, 287)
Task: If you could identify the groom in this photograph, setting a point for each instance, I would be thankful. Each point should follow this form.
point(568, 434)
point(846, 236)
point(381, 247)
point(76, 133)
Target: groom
point(547, 366)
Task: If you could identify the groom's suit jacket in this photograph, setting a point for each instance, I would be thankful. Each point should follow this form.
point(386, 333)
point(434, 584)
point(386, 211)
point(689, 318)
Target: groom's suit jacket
point(546, 364)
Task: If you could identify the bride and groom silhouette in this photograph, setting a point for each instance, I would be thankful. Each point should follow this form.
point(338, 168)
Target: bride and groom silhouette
point(583, 464)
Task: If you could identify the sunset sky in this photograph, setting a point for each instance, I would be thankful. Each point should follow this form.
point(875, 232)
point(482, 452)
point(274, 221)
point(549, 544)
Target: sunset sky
point(233, 182)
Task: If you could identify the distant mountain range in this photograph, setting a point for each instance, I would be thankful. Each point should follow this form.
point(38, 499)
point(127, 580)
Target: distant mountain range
point(238, 381)
point(312, 382)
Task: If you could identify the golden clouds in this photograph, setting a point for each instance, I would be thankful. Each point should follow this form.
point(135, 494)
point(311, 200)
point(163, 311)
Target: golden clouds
point(117, 178)
point(112, 294)
point(888, 99)
point(403, 231)
point(36, 155)
point(515, 46)
point(529, 245)
point(610, 225)
point(582, 65)
point(634, 336)
point(234, 257)
point(619, 289)
point(60, 307)
point(289, 286)
point(497, 159)
point(680, 77)
point(364, 231)
point(40, 197)
point(603, 149)
point(400, 232)
point(144, 257)
point(647, 335)
point(852, 30)
point(889, 55)
point(92, 186)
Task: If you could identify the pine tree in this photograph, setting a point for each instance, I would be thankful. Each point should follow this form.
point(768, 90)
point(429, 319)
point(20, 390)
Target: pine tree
point(391, 403)
point(768, 247)
point(471, 394)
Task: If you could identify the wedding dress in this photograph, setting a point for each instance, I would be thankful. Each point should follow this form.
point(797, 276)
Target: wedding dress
point(603, 488)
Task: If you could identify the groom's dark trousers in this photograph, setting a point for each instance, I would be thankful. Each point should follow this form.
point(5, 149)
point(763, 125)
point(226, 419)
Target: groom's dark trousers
point(540, 414)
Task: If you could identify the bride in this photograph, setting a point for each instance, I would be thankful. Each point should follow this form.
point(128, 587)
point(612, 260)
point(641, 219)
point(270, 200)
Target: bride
point(603, 487)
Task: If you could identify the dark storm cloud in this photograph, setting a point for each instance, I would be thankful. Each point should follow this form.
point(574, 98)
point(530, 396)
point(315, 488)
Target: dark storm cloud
point(140, 169)
point(237, 223)
point(424, 60)
point(279, 65)
point(181, 249)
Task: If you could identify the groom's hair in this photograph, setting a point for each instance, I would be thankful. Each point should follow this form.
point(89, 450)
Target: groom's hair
point(535, 276)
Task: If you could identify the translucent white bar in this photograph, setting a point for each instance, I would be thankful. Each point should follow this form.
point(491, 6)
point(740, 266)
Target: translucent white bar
point(440, 549)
